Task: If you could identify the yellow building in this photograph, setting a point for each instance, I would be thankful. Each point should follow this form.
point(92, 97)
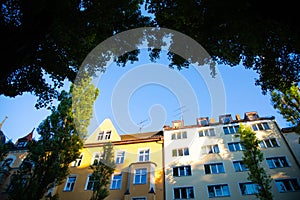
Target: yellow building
point(139, 170)
point(12, 162)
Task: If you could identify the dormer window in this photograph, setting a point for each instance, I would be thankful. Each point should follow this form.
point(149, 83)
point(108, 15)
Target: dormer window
point(21, 144)
point(225, 119)
point(251, 116)
point(203, 121)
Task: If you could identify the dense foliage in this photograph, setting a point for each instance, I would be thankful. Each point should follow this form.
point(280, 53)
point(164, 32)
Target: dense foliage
point(48, 159)
point(288, 104)
point(252, 159)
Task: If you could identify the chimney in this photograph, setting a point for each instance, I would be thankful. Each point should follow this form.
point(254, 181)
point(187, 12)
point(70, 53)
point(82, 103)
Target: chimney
point(238, 117)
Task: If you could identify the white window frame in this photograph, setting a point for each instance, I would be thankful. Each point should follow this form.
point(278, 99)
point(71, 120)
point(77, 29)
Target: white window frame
point(100, 157)
point(282, 184)
point(120, 157)
point(222, 190)
point(87, 182)
point(186, 188)
point(70, 188)
point(104, 135)
point(116, 184)
point(180, 152)
point(143, 154)
point(186, 169)
point(241, 147)
point(263, 126)
point(139, 174)
point(216, 165)
point(179, 135)
point(251, 188)
point(263, 143)
point(207, 132)
point(78, 161)
point(242, 167)
point(100, 136)
point(232, 129)
point(210, 149)
point(279, 161)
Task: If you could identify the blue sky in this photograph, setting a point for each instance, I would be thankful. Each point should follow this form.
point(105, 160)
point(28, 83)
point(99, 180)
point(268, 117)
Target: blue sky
point(144, 96)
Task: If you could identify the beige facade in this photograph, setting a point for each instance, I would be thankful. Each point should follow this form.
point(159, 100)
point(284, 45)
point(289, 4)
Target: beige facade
point(203, 161)
point(138, 173)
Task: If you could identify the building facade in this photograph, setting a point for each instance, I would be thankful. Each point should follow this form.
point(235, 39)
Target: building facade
point(204, 161)
point(138, 166)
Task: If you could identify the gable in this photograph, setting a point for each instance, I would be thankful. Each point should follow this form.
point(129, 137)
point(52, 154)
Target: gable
point(103, 133)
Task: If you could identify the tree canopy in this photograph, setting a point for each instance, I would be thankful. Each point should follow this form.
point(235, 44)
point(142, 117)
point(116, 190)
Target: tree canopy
point(43, 38)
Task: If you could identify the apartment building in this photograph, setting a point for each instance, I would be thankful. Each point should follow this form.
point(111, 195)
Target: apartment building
point(204, 161)
point(138, 159)
point(13, 161)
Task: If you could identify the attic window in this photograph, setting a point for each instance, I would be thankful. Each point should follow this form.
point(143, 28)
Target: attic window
point(225, 119)
point(22, 144)
point(104, 135)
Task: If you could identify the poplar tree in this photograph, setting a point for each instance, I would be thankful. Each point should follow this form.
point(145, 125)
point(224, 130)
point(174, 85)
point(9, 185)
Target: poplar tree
point(102, 172)
point(61, 138)
point(252, 159)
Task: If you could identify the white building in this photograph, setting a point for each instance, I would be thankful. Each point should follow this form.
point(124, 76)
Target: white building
point(203, 161)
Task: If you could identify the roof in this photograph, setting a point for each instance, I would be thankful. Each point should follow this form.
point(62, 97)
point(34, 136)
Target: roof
point(140, 135)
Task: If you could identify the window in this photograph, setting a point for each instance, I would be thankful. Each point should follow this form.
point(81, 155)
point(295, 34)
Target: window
point(96, 158)
point(77, 162)
point(239, 166)
point(144, 155)
point(260, 126)
point(90, 182)
point(208, 149)
point(104, 135)
point(183, 193)
point(231, 129)
point(6, 165)
point(287, 185)
point(139, 198)
point(140, 176)
point(214, 168)
point(179, 135)
point(107, 135)
point(116, 182)
point(235, 146)
point(21, 144)
point(218, 190)
point(207, 132)
point(120, 157)
point(180, 152)
point(248, 188)
point(269, 143)
point(70, 183)
point(100, 135)
point(277, 162)
point(182, 171)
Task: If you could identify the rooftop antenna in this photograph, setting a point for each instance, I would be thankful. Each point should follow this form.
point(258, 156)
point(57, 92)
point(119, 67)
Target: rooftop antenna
point(3, 122)
point(180, 112)
point(141, 125)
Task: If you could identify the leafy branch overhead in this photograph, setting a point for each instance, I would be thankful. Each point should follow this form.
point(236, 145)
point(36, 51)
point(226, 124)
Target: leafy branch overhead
point(48, 40)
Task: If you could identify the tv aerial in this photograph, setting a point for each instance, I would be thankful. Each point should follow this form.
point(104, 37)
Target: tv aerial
point(141, 124)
